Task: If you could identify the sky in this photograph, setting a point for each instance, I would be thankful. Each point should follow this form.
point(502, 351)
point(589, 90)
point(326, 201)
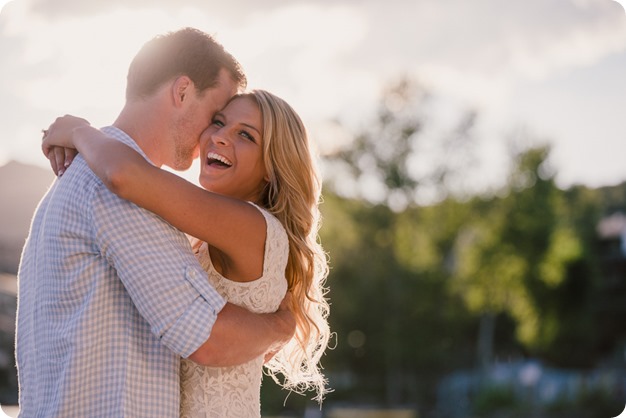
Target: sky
point(555, 67)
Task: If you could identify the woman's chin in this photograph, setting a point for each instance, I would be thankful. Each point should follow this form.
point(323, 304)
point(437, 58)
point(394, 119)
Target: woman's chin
point(205, 184)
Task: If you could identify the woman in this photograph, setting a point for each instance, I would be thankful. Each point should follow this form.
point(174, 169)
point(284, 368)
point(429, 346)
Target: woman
point(255, 223)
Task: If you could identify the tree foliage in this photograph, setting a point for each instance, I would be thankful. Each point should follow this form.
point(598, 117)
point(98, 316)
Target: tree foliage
point(405, 154)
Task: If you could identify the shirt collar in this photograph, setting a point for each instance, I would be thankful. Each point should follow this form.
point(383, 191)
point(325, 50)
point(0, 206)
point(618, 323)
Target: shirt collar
point(123, 137)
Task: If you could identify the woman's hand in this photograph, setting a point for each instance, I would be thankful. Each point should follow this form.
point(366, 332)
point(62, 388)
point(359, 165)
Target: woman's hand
point(57, 143)
point(61, 158)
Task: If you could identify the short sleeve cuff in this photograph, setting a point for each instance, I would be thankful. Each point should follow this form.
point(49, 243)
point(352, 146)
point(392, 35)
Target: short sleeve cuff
point(194, 326)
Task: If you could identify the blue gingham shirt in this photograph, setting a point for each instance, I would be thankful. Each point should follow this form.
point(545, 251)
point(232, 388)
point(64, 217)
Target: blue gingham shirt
point(110, 297)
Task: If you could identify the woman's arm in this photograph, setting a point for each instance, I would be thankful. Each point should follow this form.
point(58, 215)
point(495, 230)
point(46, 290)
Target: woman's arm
point(235, 227)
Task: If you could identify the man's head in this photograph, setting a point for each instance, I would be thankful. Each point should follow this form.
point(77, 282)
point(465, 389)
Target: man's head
point(180, 79)
point(188, 52)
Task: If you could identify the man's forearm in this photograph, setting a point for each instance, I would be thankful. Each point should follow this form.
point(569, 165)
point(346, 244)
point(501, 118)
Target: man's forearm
point(239, 336)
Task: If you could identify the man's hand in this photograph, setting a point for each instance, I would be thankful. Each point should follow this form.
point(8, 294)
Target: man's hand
point(287, 323)
point(239, 335)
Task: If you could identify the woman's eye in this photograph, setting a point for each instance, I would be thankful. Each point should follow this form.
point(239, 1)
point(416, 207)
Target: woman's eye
point(217, 122)
point(247, 135)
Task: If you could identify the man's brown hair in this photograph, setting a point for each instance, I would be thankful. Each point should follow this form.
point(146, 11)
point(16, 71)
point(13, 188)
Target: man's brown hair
point(189, 52)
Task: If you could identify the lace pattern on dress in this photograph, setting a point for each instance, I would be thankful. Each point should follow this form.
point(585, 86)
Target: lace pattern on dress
point(219, 392)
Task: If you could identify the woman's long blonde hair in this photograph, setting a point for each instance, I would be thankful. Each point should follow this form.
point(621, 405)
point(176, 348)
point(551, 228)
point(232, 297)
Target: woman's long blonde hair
point(292, 195)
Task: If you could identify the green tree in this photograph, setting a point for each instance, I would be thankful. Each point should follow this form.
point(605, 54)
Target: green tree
point(524, 255)
point(398, 326)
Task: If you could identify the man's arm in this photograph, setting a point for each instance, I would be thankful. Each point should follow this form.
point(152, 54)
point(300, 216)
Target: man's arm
point(239, 335)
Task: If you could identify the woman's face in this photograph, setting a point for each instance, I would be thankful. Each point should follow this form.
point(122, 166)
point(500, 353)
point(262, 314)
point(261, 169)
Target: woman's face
point(231, 152)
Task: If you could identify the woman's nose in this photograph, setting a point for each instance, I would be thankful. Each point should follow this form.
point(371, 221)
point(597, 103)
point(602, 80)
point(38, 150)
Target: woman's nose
point(219, 137)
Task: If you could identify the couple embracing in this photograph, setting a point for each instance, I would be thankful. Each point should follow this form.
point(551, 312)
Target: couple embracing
point(143, 295)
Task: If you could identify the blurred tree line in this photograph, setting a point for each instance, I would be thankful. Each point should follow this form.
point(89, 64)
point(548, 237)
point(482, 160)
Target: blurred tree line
point(429, 276)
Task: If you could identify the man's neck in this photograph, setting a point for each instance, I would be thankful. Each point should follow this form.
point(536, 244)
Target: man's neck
point(145, 126)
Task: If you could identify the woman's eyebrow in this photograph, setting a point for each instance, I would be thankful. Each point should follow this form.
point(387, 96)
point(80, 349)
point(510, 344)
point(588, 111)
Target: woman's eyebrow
point(251, 127)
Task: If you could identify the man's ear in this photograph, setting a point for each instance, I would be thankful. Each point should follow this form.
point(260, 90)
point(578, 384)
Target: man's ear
point(181, 88)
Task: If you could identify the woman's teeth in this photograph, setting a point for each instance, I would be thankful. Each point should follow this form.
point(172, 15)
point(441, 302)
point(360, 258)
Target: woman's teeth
point(214, 158)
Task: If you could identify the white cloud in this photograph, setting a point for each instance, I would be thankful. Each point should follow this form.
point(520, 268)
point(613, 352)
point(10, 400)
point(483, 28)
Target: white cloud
point(493, 40)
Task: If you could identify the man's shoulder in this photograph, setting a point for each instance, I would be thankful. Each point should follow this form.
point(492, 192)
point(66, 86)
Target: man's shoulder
point(81, 178)
point(118, 134)
point(79, 174)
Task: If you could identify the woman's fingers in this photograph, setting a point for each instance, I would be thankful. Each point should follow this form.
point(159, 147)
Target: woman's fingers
point(70, 153)
point(51, 156)
point(60, 159)
point(59, 156)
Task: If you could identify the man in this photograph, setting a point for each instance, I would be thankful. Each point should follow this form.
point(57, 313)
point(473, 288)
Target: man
point(111, 296)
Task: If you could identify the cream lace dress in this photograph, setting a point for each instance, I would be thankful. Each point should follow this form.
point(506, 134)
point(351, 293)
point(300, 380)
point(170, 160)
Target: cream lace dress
point(234, 392)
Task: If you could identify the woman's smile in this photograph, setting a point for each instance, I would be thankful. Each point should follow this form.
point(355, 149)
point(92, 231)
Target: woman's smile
point(216, 160)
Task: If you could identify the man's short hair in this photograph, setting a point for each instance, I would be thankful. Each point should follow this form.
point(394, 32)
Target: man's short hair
point(189, 52)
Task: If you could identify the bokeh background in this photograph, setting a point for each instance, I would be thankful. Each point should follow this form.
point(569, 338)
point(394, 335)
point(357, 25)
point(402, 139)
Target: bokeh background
point(475, 198)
